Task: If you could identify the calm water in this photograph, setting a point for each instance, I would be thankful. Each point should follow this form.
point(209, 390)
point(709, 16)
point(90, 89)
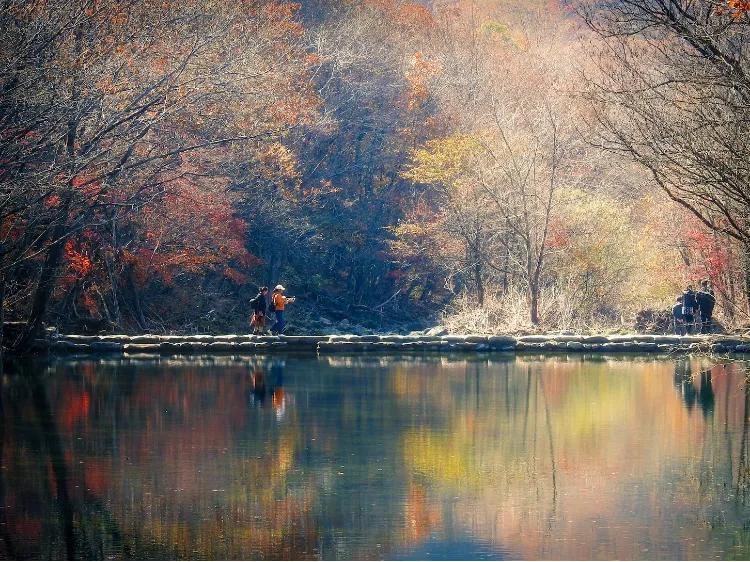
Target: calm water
point(338, 458)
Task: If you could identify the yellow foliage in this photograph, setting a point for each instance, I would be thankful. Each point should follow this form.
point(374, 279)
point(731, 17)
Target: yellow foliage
point(503, 33)
point(443, 160)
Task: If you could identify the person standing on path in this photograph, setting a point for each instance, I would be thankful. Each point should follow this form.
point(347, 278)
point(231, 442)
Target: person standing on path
point(278, 304)
point(689, 308)
point(259, 311)
point(678, 317)
point(706, 302)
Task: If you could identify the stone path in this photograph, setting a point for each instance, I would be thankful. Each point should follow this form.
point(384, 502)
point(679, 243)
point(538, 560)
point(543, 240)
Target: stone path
point(177, 345)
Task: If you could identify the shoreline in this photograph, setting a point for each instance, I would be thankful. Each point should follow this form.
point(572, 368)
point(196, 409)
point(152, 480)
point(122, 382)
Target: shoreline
point(328, 344)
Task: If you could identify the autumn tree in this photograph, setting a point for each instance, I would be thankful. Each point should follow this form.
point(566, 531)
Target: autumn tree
point(130, 98)
point(525, 146)
point(671, 91)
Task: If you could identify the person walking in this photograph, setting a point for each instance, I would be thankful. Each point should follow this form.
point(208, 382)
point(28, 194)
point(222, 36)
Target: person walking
point(278, 304)
point(678, 317)
point(260, 306)
point(706, 302)
point(689, 308)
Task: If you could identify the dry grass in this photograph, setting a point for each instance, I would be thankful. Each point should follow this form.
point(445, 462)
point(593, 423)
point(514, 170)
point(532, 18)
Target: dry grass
point(509, 313)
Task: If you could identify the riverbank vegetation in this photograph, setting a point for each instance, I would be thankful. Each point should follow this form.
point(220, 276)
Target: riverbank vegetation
point(492, 165)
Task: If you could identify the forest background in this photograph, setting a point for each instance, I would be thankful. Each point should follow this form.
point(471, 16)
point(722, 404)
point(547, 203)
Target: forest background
point(490, 165)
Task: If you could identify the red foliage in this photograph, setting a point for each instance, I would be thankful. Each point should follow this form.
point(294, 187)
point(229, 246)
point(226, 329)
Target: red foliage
point(87, 184)
point(559, 236)
point(90, 303)
point(76, 259)
point(710, 255)
point(193, 229)
point(9, 228)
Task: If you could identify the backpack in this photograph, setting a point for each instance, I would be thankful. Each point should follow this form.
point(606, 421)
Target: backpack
point(272, 304)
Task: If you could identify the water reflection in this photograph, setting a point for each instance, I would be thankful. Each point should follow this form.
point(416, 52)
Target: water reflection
point(694, 392)
point(268, 387)
point(438, 458)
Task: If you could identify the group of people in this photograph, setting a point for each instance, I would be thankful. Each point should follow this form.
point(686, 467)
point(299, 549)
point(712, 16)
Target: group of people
point(693, 311)
point(261, 309)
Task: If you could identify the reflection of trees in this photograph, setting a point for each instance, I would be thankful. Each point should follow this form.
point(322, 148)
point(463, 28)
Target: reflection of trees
point(743, 470)
point(84, 441)
point(7, 552)
point(692, 394)
point(190, 459)
point(75, 522)
point(54, 448)
point(556, 443)
point(187, 466)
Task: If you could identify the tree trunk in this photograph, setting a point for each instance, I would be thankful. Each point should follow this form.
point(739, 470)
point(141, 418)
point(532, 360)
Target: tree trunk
point(116, 317)
point(534, 296)
point(479, 282)
point(52, 260)
point(533, 290)
point(534, 304)
point(136, 307)
point(2, 318)
point(746, 268)
point(47, 277)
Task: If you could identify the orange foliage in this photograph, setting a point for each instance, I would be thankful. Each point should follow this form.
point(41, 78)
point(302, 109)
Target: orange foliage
point(415, 16)
point(409, 15)
point(417, 77)
point(52, 201)
point(236, 276)
point(737, 8)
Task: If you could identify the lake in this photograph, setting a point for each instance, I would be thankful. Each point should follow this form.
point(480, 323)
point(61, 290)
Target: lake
point(370, 457)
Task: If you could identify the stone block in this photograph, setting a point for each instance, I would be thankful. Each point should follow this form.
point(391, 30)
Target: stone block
point(595, 339)
point(535, 339)
point(141, 348)
point(501, 340)
point(105, 347)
